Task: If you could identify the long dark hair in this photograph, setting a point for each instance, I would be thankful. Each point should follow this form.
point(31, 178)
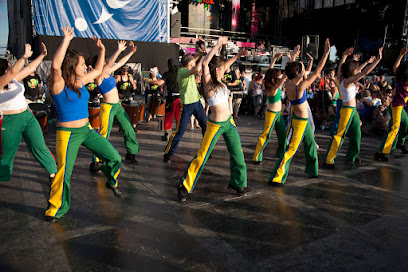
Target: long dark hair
point(3, 68)
point(69, 64)
point(292, 68)
point(402, 72)
point(171, 78)
point(348, 68)
point(271, 78)
point(215, 62)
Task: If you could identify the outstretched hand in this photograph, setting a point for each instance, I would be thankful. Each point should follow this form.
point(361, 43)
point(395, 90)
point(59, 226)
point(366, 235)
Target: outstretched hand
point(28, 52)
point(327, 46)
point(222, 40)
point(380, 50)
point(296, 51)
point(371, 60)
point(302, 71)
point(98, 42)
point(356, 57)
point(278, 55)
point(133, 47)
point(348, 51)
point(243, 52)
point(68, 32)
point(122, 46)
point(44, 49)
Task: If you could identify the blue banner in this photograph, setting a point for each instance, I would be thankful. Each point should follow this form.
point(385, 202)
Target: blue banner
point(136, 20)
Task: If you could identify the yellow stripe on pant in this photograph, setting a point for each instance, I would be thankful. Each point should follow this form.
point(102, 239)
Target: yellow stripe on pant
point(104, 113)
point(338, 138)
point(57, 187)
point(393, 134)
point(210, 138)
point(174, 132)
point(299, 127)
point(262, 141)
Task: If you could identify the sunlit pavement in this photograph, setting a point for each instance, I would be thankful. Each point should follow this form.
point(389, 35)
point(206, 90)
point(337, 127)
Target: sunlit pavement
point(353, 218)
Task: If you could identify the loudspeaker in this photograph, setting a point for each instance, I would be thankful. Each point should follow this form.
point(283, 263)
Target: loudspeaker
point(310, 44)
point(175, 25)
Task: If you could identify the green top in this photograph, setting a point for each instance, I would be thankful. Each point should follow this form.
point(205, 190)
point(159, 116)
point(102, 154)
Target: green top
point(187, 86)
point(277, 97)
point(335, 98)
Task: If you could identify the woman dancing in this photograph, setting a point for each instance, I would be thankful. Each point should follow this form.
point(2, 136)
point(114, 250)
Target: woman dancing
point(348, 76)
point(18, 120)
point(299, 122)
point(111, 109)
point(399, 129)
point(220, 122)
point(67, 83)
point(273, 118)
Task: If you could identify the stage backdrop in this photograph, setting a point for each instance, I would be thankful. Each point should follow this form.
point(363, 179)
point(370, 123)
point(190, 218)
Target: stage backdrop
point(140, 20)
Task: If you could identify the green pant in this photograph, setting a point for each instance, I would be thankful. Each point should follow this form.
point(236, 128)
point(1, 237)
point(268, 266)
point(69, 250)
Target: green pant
point(108, 113)
point(68, 142)
point(349, 121)
point(24, 125)
point(301, 131)
point(237, 161)
point(272, 119)
point(398, 130)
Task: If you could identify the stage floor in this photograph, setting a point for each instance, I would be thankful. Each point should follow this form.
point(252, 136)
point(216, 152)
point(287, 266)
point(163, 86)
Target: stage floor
point(351, 219)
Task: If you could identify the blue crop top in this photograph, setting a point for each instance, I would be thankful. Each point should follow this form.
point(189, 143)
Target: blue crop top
point(69, 106)
point(300, 100)
point(107, 85)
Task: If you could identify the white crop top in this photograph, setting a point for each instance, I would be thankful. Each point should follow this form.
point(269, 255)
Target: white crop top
point(13, 98)
point(220, 96)
point(349, 93)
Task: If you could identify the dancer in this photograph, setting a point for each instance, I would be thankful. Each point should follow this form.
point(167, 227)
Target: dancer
point(67, 83)
point(399, 129)
point(349, 119)
point(18, 120)
point(169, 78)
point(111, 109)
point(273, 118)
point(189, 100)
point(220, 123)
point(299, 122)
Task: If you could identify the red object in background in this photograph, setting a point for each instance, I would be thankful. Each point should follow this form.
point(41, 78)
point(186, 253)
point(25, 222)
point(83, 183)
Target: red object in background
point(321, 85)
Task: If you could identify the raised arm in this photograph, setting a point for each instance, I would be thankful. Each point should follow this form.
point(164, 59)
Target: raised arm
point(319, 68)
point(13, 72)
point(346, 53)
point(310, 65)
point(275, 58)
point(366, 70)
point(206, 77)
point(398, 62)
point(370, 60)
point(125, 59)
point(57, 81)
point(89, 77)
point(296, 52)
point(121, 47)
point(33, 65)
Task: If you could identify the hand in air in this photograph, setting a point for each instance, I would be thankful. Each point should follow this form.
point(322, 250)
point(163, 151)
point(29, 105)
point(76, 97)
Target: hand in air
point(98, 42)
point(222, 40)
point(68, 32)
point(348, 51)
point(243, 52)
point(278, 55)
point(133, 47)
point(296, 51)
point(356, 57)
point(122, 45)
point(43, 49)
point(403, 51)
point(28, 52)
point(327, 46)
point(371, 60)
point(309, 56)
point(380, 50)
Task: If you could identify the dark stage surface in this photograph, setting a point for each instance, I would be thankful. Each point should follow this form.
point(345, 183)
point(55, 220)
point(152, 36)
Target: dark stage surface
point(350, 219)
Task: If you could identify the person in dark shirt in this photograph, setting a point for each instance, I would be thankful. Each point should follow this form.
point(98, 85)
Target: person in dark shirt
point(32, 85)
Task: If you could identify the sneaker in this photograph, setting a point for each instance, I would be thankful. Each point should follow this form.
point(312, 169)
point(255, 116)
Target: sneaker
point(257, 162)
point(402, 148)
point(328, 166)
point(164, 137)
point(131, 158)
point(93, 167)
point(380, 157)
point(356, 160)
point(115, 190)
point(51, 219)
point(166, 158)
point(277, 184)
point(182, 193)
point(240, 191)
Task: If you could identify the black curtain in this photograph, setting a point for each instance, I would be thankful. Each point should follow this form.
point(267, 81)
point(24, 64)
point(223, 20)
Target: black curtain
point(20, 26)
